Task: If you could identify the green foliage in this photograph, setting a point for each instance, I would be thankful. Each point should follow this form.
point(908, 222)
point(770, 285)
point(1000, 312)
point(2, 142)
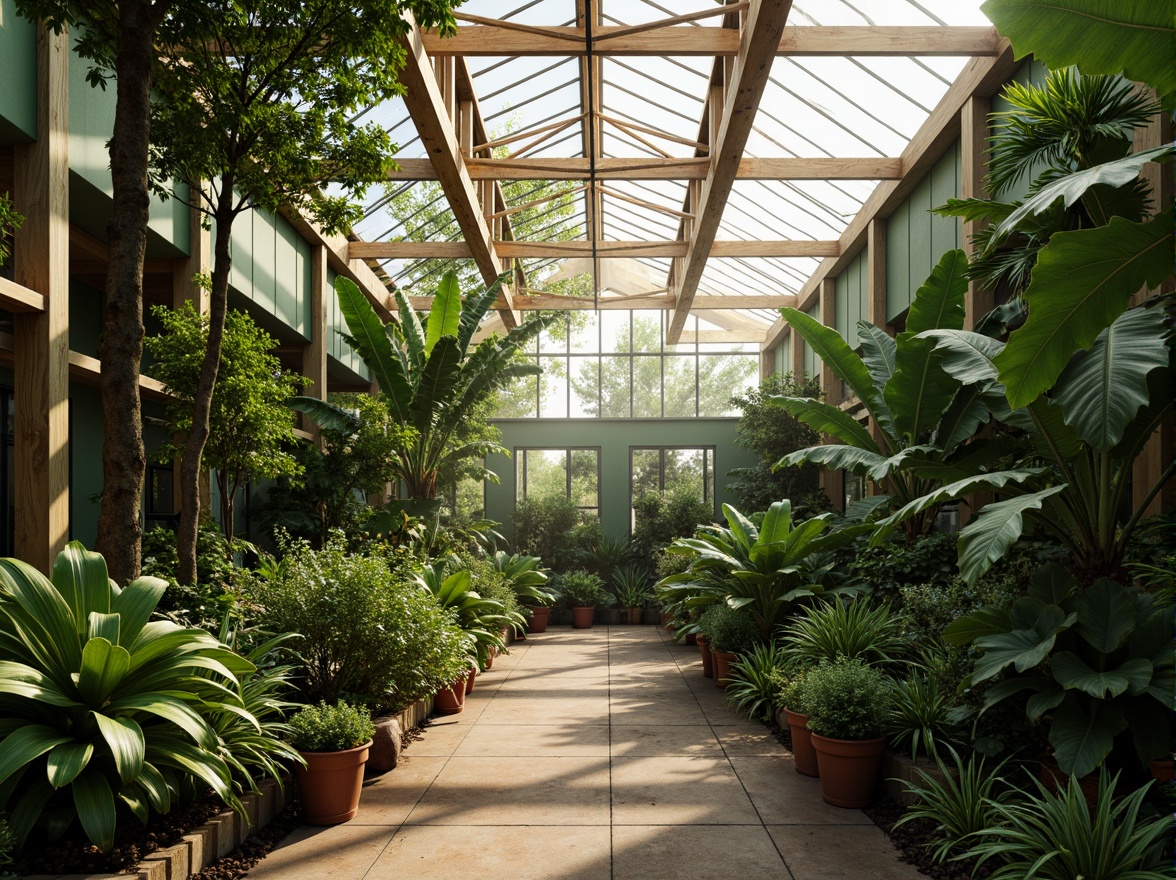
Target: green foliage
point(492, 583)
point(483, 619)
point(660, 520)
point(756, 683)
point(846, 699)
point(526, 576)
point(323, 728)
point(10, 222)
point(927, 560)
point(792, 693)
point(960, 803)
point(7, 847)
point(920, 714)
point(771, 433)
point(631, 586)
point(1096, 662)
point(250, 428)
point(581, 589)
point(728, 630)
point(542, 526)
point(827, 631)
point(600, 553)
point(1058, 836)
point(101, 704)
point(368, 632)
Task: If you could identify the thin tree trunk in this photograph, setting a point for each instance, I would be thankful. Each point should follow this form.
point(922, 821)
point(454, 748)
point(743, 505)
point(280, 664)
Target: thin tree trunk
point(121, 350)
point(191, 465)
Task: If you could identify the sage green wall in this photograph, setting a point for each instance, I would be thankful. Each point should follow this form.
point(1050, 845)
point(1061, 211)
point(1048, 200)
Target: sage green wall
point(916, 239)
point(337, 348)
point(614, 439)
point(852, 298)
point(782, 355)
point(18, 97)
point(271, 267)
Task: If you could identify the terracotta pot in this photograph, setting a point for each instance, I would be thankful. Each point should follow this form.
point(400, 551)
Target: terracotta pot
point(849, 769)
point(469, 686)
point(582, 617)
point(633, 616)
point(708, 663)
point(722, 668)
point(451, 700)
point(690, 639)
point(539, 617)
point(1163, 769)
point(330, 784)
point(804, 757)
point(663, 619)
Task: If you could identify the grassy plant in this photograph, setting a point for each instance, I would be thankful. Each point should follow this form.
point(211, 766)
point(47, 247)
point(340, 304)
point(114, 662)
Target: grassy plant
point(632, 586)
point(918, 714)
point(833, 629)
point(756, 682)
point(323, 728)
point(581, 589)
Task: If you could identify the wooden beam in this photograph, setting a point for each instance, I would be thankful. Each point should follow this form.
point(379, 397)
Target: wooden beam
point(500, 39)
point(86, 369)
point(552, 302)
point(759, 38)
point(17, 298)
point(689, 337)
point(983, 77)
point(546, 168)
point(456, 250)
point(440, 139)
point(41, 338)
point(876, 302)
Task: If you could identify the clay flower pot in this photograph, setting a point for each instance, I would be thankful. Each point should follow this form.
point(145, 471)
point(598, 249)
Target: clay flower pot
point(722, 667)
point(469, 685)
point(804, 757)
point(849, 769)
point(451, 700)
point(690, 639)
point(1163, 769)
point(539, 617)
point(634, 615)
point(708, 662)
point(330, 784)
point(582, 617)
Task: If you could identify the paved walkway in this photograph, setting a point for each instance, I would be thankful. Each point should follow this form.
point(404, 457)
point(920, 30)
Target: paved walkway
point(599, 754)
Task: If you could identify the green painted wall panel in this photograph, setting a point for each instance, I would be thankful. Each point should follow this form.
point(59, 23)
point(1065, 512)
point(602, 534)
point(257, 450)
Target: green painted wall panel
point(614, 440)
point(18, 97)
point(272, 270)
point(812, 363)
point(85, 318)
point(898, 261)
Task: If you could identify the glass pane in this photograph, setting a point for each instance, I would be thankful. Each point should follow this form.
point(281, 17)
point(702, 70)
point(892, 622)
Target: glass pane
point(614, 387)
point(684, 471)
point(553, 396)
point(585, 387)
point(710, 477)
point(546, 473)
point(646, 476)
point(584, 336)
point(584, 478)
point(719, 377)
point(647, 331)
point(471, 497)
point(614, 331)
point(517, 401)
point(554, 339)
point(647, 386)
point(679, 385)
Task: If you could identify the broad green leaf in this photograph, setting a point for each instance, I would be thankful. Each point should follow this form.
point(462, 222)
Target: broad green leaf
point(1082, 282)
point(445, 315)
point(124, 738)
point(1073, 186)
point(23, 680)
point(1052, 584)
point(95, 804)
point(994, 530)
point(104, 666)
point(962, 420)
point(169, 709)
point(900, 459)
point(326, 415)
point(1101, 390)
point(1083, 733)
point(155, 786)
point(939, 301)
point(958, 489)
point(1023, 648)
point(850, 458)
point(1002, 690)
point(1038, 704)
point(878, 351)
point(920, 391)
point(371, 343)
point(80, 576)
point(967, 356)
point(828, 419)
point(104, 626)
point(25, 744)
point(985, 621)
point(1048, 432)
point(410, 330)
point(974, 209)
point(1107, 615)
point(51, 630)
point(1132, 37)
point(777, 522)
point(135, 605)
point(134, 797)
point(66, 761)
point(1071, 672)
point(476, 306)
point(436, 383)
point(742, 529)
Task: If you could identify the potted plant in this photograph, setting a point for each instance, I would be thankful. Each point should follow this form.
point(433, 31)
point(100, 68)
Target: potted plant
point(632, 591)
point(334, 742)
point(583, 591)
point(794, 716)
point(528, 578)
point(847, 703)
point(728, 633)
point(450, 700)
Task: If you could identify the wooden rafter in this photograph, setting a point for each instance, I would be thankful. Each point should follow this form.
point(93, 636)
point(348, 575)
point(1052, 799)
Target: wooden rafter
point(494, 38)
point(759, 37)
point(551, 302)
point(456, 250)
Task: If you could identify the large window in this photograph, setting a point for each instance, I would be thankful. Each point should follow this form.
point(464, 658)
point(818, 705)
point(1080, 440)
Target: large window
point(616, 365)
point(572, 472)
point(666, 470)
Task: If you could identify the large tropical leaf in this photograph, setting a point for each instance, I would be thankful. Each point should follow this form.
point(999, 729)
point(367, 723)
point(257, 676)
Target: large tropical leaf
point(25, 744)
point(436, 383)
point(104, 666)
point(1082, 282)
point(828, 419)
point(878, 352)
point(967, 486)
point(326, 415)
point(445, 315)
point(967, 356)
point(968, 411)
point(47, 622)
point(81, 578)
point(410, 330)
point(476, 306)
point(1083, 733)
point(834, 457)
point(372, 344)
point(1133, 37)
point(124, 738)
point(135, 605)
point(1101, 390)
point(66, 761)
point(1107, 615)
point(95, 805)
point(994, 530)
point(920, 390)
point(939, 301)
point(1072, 672)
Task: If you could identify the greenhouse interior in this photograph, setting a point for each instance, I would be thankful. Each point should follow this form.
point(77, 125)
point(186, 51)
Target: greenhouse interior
point(728, 437)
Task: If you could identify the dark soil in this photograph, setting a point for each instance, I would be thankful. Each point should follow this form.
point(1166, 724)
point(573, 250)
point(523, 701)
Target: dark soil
point(257, 847)
point(911, 840)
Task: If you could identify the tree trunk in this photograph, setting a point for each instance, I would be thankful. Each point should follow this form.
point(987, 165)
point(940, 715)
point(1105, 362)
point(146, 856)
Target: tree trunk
point(121, 350)
point(191, 465)
point(227, 491)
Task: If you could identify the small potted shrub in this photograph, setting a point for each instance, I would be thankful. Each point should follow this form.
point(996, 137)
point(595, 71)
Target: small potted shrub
point(632, 591)
point(728, 633)
point(334, 742)
point(794, 716)
point(583, 591)
point(847, 703)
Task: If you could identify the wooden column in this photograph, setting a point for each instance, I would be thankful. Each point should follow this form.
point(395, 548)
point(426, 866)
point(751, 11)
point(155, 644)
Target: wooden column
point(876, 297)
point(41, 340)
point(186, 287)
point(314, 353)
point(797, 356)
point(973, 164)
point(832, 482)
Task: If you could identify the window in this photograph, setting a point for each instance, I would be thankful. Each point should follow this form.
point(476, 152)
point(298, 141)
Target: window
point(572, 472)
point(666, 470)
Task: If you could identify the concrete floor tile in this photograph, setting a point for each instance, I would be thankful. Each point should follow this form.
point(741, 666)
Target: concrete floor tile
point(536, 853)
point(673, 853)
point(660, 740)
point(546, 710)
point(649, 712)
point(554, 674)
point(388, 799)
point(830, 852)
point(784, 797)
point(342, 852)
point(757, 740)
point(678, 791)
point(569, 739)
point(517, 791)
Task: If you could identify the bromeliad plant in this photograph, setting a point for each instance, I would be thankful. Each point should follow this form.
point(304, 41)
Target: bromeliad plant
point(100, 704)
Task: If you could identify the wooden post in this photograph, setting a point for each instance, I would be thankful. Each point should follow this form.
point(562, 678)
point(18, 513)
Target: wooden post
point(832, 482)
point(41, 340)
point(314, 353)
point(876, 297)
point(973, 162)
point(797, 356)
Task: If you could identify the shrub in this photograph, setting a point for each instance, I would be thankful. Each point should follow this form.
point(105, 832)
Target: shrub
point(580, 589)
point(833, 629)
point(728, 630)
point(846, 699)
point(542, 526)
point(792, 694)
point(336, 728)
point(658, 520)
point(756, 682)
point(368, 631)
